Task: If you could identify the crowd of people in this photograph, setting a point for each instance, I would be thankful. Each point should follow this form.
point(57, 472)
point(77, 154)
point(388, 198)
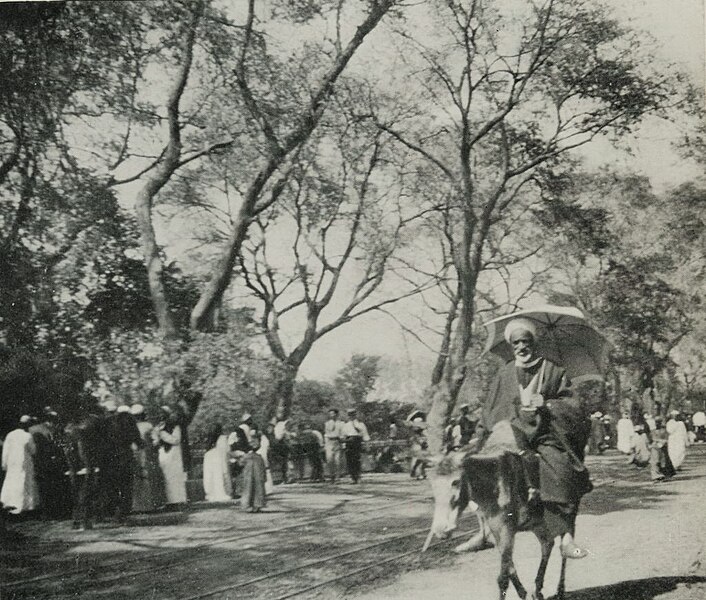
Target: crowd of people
point(145, 463)
point(118, 462)
point(239, 464)
point(121, 462)
point(658, 442)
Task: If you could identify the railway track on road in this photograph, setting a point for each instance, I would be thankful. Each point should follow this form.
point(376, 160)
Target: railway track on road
point(98, 574)
point(411, 541)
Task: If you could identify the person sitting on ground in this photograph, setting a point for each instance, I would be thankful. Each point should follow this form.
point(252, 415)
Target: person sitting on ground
point(661, 467)
point(640, 445)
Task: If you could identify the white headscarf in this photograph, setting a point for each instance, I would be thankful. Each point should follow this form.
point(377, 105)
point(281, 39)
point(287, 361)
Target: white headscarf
point(520, 324)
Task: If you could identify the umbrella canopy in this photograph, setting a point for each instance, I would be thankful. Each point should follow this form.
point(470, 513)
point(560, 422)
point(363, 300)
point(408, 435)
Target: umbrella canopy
point(564, 337)
point(416, 414)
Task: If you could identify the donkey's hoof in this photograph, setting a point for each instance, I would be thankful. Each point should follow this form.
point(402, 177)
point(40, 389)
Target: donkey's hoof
point(537, 596)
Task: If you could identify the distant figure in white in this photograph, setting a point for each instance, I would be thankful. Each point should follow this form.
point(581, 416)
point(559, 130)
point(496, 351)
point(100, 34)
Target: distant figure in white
point(170, 457)
point(625, 433)
point(217, 485)
point(678, 439)
point(19, 491)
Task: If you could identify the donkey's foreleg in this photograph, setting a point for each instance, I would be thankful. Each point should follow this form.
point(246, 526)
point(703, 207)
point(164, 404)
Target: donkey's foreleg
point(546, 545)
point(561, 588)
point(505, 539)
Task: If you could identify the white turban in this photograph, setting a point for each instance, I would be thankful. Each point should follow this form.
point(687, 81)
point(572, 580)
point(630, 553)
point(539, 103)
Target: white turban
point(25, 419)
point(123, 408)
point(110, 405)
point(520, 324)
point(137, 409)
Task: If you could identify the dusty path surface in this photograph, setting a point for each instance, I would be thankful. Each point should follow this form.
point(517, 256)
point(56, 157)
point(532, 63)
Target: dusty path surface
point(323, 541)
point(646, 542)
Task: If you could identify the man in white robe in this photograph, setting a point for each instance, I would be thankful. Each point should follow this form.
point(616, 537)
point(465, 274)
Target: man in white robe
point(170, 458)
point(216, 473)
point(19, 490)
point(625, 433)
point(678, 440)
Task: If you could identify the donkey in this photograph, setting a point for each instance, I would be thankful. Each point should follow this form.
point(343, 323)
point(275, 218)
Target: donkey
point(493, 482)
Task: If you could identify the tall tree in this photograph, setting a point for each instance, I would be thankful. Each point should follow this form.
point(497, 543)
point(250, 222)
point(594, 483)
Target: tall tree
point(511, 87)
point(327, 253)
point(268, 125)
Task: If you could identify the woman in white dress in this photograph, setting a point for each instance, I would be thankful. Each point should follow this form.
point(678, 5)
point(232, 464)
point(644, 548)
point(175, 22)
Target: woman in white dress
point(678, 440)
point(170, 458)
point(625, 433)
point(19, 489)
point(217, 485)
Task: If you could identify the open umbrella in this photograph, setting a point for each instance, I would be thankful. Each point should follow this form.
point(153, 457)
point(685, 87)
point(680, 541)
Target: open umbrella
point(565, 337)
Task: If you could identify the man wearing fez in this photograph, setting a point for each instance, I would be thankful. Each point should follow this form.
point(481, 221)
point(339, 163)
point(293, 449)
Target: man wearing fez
point(551, 428)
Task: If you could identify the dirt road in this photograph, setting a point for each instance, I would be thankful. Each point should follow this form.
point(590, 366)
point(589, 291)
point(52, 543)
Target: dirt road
point(646, 542)
point(346, 541)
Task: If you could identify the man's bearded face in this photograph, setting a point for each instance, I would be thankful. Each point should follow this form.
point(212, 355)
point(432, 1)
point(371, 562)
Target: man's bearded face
point(523, 346)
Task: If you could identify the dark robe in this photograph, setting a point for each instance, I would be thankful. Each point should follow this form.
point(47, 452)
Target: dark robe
point(51, 466)
point(123, 433)
point(148, 492)
point(660, 463)
point(254, 475)
point(558, 432)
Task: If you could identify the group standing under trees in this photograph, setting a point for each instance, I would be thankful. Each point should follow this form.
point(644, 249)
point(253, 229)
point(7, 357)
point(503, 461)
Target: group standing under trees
point(383, 151)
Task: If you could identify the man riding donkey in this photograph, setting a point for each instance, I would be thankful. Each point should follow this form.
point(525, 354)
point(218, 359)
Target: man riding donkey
point(550, 428)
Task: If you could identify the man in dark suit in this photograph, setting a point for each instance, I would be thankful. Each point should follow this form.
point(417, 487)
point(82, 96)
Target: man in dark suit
point(124, 437)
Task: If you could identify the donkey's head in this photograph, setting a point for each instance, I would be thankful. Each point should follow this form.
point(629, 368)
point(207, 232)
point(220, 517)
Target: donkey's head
point(450, 491)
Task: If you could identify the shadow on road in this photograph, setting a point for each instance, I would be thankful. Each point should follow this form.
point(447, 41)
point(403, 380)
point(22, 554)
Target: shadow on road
point(639, 589)
point(614, 498)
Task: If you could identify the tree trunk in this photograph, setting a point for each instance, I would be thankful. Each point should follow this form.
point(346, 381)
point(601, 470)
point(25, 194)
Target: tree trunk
point(618, 405)
point(153, 261)
point(285, 392)
point(213, 291)
point(160, 177)
point(445, 391)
